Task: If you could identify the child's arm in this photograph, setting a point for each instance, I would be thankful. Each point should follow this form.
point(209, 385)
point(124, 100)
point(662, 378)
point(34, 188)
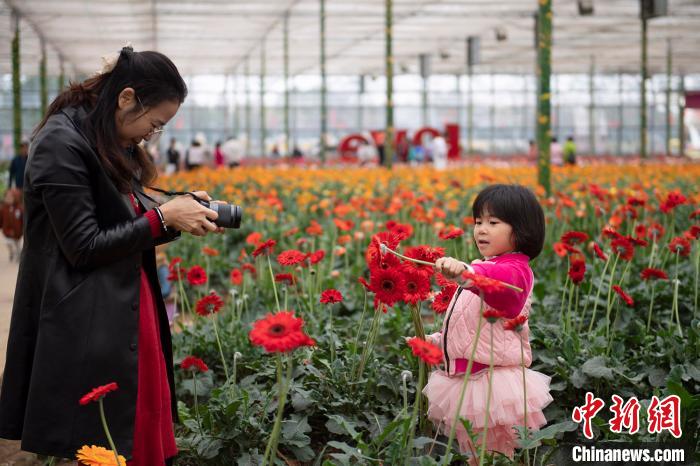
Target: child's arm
point(508, 301)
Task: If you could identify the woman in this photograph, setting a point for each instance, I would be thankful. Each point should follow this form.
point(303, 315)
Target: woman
point(87, 309)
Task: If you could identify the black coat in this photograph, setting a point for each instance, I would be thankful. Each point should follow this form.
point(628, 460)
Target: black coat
point(76, 306)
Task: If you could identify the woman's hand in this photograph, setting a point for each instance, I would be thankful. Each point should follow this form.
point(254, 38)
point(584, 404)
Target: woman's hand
point(450, 267)
point(185, 214)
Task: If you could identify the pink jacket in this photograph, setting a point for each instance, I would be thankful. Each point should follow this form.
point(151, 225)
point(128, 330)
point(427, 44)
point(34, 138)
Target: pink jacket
point(463, 313)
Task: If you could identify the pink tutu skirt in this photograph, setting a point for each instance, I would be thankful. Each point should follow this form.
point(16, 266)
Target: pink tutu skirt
point(506, 409)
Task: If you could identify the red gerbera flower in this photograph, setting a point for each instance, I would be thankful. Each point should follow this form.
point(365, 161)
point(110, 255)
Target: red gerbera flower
point(637, 241)
point(250, 268)
point(693, 232)
point(388, 286)
point(426, 351)
point(577, 268)
point(673, 199)
point(285, 277)
point(516, 324)
point(417, 285)
point(193, 364)
point(573, 238)
point(176, 273)
point(655, 231)
point(197, 275)
point(656, 274)
point(265, 247)
point(373, 254)
point(679, 245)
point(485, 284)
point(424, 253)
point(442, 281)
point(331, 296)
point(209, 304)
point(364, 283)
point(623, 247)
point(98, 393)
point(599, 252)
point(694, 214)
point(625, 297)
point(317, 256)
point(174, 262)
point(492, 315)
point(609, 232)
point(236, 277)
point(291, 257)
point(280, 333)
point(443, 298)
point(559, 248)
point(401, 230)
point(450, 232)
point(640, 231)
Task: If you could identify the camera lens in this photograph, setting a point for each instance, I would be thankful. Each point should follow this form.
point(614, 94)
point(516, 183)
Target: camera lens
point(229, 214)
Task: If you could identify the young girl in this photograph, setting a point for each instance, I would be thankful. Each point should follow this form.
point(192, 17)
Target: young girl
point(508, 231)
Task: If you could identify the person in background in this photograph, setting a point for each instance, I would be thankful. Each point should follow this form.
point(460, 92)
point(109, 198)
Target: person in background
point(11, 216)
point(570, 151)
point(166, 287)
point(196, 156)
point(173, 158)
point(556, 154)
point(219, 158)
point(532, 150)
point(17, 165)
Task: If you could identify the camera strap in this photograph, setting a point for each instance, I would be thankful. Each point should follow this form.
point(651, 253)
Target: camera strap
point(171, 193)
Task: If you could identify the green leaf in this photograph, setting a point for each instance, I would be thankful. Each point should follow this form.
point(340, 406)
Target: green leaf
point(596, 368)
point(657, 376)
point(337, 424)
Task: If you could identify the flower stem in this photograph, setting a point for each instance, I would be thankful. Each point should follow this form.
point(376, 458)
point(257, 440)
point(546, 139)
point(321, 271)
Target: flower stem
point(106, 429)
point(674, 307)
point(330, 334)
point(609, 304)
point(522, 364)
point(453, 427)
point(357, 335)
point(282, 386)
point(697, 274)
point(651, 306)
point(218, 343)
point(274, 285)
point(597, 295)
point(488, 403)
point(196, 405)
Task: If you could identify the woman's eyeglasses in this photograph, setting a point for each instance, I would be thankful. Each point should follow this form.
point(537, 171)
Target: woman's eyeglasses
point(155, 129)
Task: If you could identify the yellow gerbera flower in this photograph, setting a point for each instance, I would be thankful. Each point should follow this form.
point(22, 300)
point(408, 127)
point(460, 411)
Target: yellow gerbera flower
point(98, 456)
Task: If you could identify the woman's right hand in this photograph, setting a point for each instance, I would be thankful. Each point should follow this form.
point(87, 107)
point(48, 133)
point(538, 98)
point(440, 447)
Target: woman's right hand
point(185, 214)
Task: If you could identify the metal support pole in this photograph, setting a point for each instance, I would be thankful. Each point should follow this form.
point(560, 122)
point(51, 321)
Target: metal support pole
point(470, 109)
point(643, 135)
point(389, 72)
point(324, 119)
point(544, 62)
point(557, 106)
point(591, 107)
point(526, 117)
point(652, 123)
point(285, 39)
point(236, 108)
point(248, 129)
point(425, 75)
point(620, 113)
point(460, 104)
point(669, 64)
point(360, 107)
point(16, 85)
point(492, 115)
point(43, 83)
point(263, 123)
point(681, 116)
point(61, 75)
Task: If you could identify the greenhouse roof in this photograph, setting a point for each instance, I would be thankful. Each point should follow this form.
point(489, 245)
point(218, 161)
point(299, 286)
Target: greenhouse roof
point(220, 36)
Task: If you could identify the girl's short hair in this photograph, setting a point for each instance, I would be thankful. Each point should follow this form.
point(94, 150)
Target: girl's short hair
point(517, 206)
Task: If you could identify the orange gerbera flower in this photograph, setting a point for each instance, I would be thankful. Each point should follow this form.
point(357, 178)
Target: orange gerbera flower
point(97, 456)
